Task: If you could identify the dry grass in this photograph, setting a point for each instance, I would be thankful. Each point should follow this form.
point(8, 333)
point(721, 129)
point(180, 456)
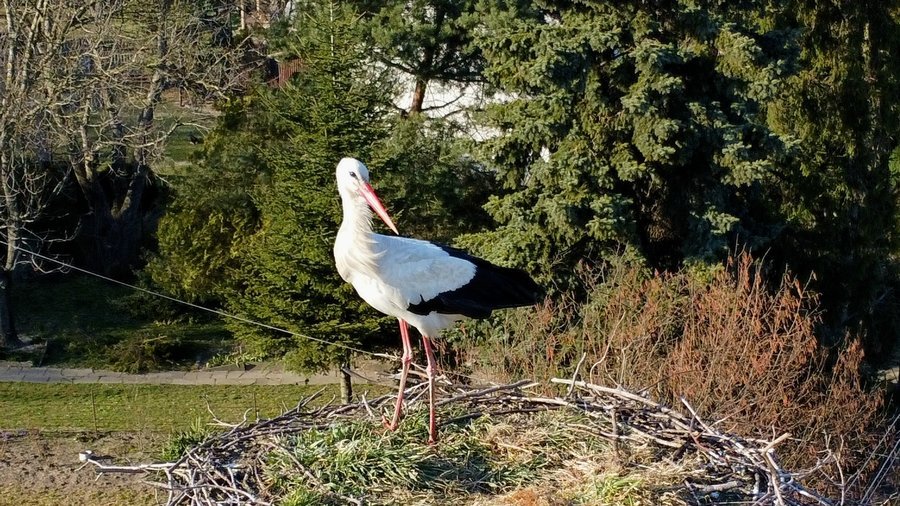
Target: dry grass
point(742, 350)
point(39, 468)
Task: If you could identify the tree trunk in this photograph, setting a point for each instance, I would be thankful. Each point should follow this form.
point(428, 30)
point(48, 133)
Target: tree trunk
point(8, 336)
point(424, 71)
point(346, 384)
point(418, 97)
point(113, 228)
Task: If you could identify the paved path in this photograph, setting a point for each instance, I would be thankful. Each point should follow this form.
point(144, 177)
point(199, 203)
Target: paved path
point(258, 374)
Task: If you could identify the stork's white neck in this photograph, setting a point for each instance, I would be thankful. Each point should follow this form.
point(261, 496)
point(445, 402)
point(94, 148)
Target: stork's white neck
point(357, 220)
point(354, 244)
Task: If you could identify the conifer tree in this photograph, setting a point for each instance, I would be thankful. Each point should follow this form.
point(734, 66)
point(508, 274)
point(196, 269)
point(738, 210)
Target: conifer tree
point(252, 224)
point(212, 213)
point(427, 40)
point(331, 109)
point(630, 124)
point(437, 191)
point(840, 192)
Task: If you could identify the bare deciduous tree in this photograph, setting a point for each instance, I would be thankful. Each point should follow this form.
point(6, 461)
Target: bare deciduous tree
point(27, 177)
point(82, 83)
point(139, 51)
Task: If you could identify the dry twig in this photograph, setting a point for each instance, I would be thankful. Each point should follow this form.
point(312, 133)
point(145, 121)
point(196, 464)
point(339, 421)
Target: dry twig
point(225, 469)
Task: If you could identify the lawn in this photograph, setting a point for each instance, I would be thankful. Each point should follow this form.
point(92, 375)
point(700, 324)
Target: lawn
point(45, 426)
point(157, 408)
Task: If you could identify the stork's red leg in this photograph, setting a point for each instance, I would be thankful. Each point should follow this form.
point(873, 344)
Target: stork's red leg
point(432, 425)
point(405, 361)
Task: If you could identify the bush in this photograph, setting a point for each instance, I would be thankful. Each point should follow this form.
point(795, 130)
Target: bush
point(144, 306)
point(739, 349)
point(141, 353)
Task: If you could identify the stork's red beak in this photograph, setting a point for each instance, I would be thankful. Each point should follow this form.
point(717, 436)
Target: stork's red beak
point(369, 194)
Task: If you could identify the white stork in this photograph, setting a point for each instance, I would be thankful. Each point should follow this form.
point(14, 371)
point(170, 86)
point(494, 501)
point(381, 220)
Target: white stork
point(426, 285)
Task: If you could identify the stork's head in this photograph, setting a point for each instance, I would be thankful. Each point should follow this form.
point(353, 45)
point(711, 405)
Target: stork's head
point(353, 182)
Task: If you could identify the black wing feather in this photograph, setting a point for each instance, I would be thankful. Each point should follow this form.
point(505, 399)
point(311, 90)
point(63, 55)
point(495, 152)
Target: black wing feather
point(493, 287)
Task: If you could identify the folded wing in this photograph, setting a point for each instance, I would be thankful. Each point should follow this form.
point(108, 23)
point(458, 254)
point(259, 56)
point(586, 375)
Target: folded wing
point(437, 278)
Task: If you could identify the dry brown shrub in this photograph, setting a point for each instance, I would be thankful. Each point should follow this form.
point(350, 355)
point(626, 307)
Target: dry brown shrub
point(628, 325)
point(749, 356)
point(510, 350)
point(739, 349)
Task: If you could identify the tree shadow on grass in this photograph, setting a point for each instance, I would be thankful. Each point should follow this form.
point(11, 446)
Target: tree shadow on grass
point(78, 321)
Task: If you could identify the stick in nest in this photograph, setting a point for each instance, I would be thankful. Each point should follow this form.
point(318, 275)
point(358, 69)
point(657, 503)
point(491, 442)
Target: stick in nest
point(225, 469)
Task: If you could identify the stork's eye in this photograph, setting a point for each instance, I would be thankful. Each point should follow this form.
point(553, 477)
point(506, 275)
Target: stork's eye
point(353, 175)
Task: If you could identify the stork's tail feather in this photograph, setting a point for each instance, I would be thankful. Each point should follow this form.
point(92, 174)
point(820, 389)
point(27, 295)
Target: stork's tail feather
point(511, 287)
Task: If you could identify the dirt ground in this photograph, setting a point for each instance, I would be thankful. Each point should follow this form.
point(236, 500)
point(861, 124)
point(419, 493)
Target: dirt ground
point(43, 468)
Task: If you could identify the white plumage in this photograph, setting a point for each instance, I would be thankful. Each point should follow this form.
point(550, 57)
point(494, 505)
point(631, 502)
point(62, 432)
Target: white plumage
point(424, 284)
point(400, 272)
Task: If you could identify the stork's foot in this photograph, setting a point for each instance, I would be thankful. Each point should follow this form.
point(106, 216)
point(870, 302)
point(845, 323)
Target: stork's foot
point(390, 425)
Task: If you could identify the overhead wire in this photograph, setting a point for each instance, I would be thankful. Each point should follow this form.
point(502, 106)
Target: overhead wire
point(221, 313)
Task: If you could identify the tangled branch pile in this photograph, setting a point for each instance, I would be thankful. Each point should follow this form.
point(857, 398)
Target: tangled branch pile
point(339, 454)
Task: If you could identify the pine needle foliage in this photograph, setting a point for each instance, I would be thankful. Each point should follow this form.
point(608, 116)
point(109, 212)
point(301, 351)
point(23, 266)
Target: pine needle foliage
point(332, 109)
point(841, 199)
point(636, 125)
point(437, 191)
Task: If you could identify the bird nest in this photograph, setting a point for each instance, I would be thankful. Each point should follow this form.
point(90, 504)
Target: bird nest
point(341, 454)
